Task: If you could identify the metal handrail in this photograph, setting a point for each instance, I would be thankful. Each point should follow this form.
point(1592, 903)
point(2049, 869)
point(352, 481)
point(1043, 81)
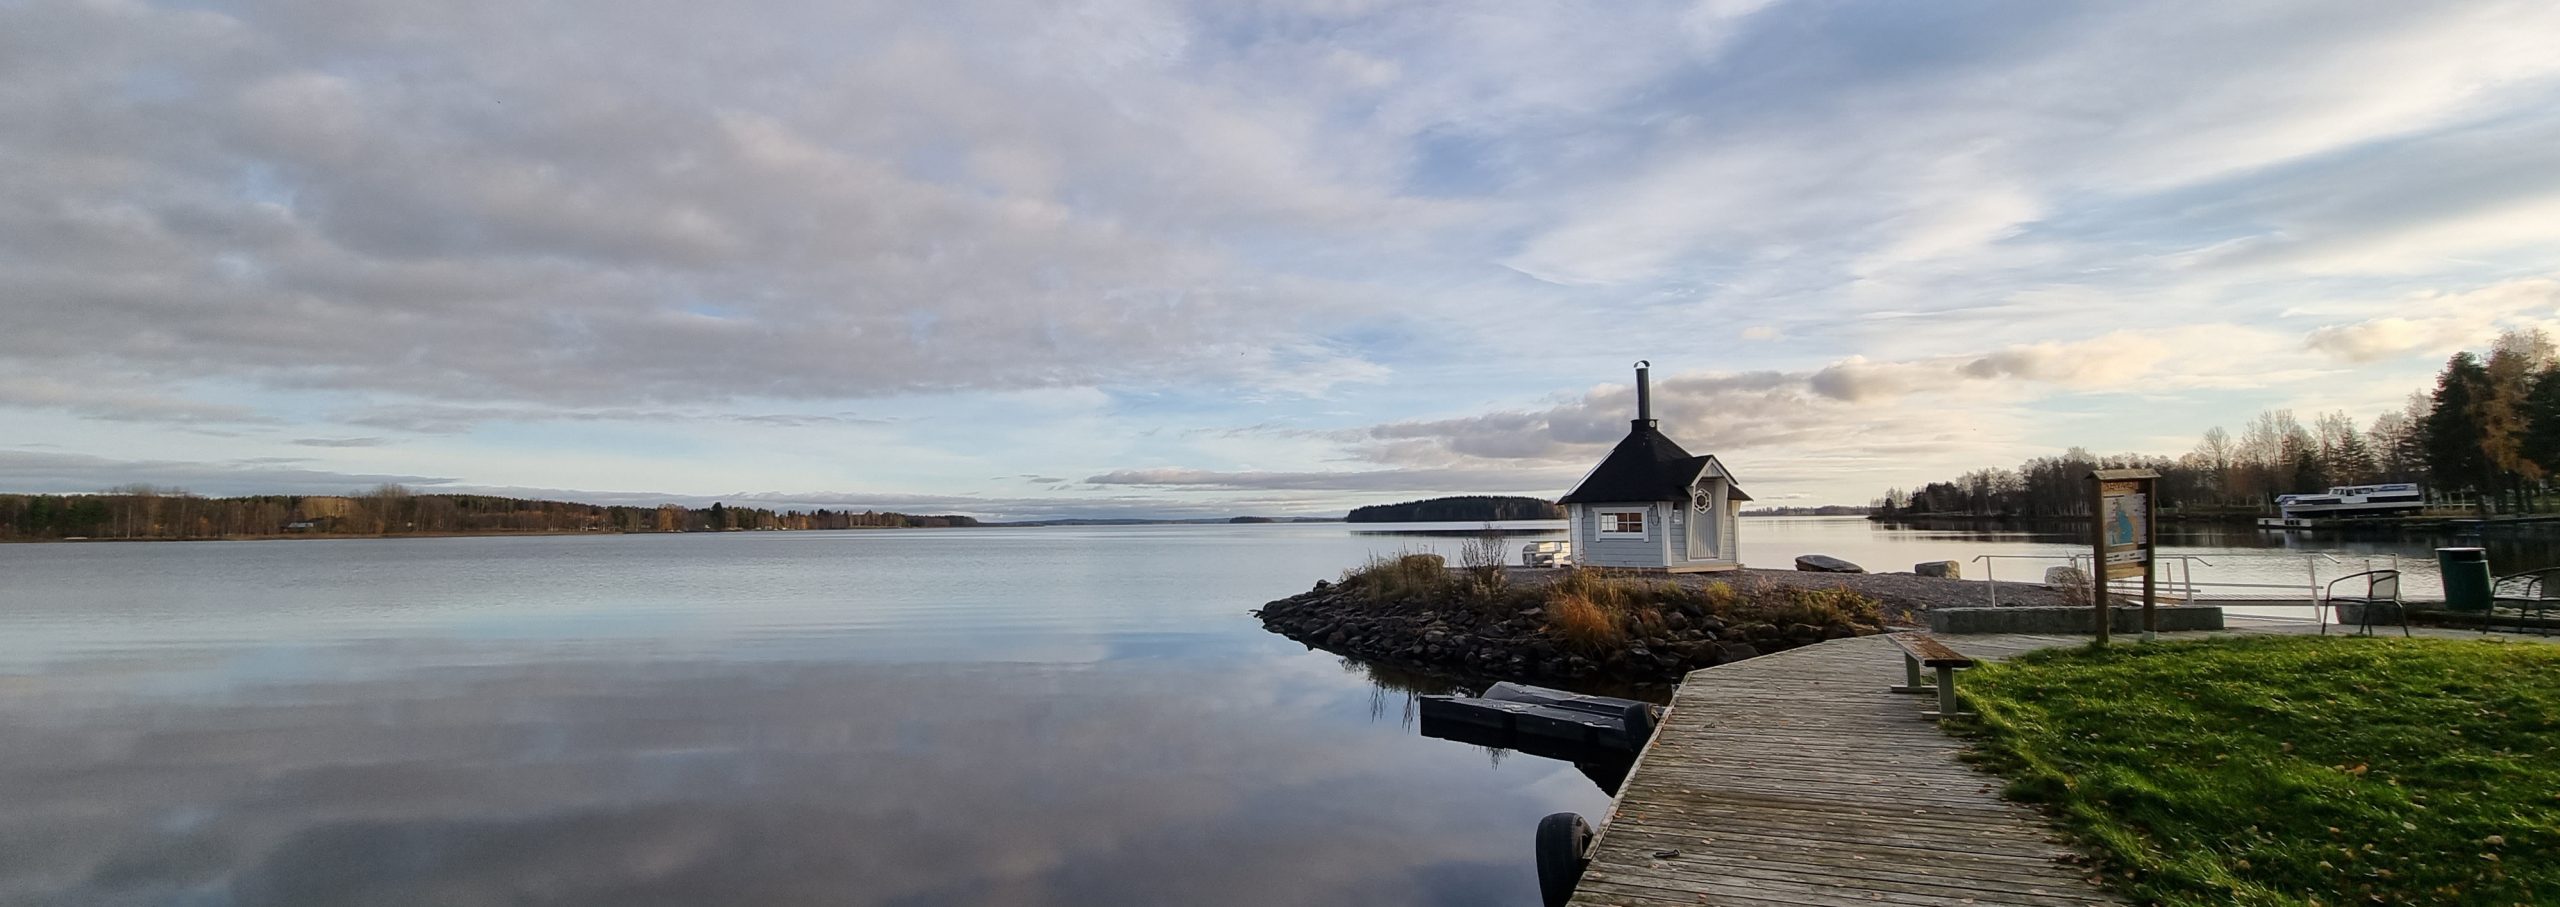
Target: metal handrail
point(2182, 579)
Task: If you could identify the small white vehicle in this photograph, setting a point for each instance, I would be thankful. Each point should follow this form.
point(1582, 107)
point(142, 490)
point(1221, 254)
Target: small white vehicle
point(1549, 553)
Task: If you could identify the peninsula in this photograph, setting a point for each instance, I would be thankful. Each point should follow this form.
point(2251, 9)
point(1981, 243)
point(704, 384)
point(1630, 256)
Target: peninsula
point(143, 513)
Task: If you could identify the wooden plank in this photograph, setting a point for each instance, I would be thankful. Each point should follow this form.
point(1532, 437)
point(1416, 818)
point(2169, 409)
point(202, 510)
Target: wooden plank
point(1929, 650)
point(1795, 780)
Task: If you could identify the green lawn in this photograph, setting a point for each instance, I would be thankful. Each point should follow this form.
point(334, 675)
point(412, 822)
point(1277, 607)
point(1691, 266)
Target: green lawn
point(2293, 770)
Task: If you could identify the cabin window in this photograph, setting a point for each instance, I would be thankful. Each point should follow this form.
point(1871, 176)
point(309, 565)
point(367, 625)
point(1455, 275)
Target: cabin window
point(1622, 522)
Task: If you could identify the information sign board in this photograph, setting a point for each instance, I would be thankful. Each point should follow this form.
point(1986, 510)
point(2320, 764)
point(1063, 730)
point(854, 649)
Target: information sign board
point(2121, 540)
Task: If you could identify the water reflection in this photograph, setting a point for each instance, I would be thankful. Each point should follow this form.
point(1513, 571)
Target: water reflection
point(1025, 717)
point(598, 783)
point(1607, 770)
point(1398, 692)
point(1070, 716)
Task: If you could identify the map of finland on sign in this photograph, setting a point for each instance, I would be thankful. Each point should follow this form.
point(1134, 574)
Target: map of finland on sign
point(2127, 525)
point(2127, 519)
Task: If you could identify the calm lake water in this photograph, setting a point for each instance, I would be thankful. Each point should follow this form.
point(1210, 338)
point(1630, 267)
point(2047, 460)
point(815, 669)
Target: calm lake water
point(1068, 716)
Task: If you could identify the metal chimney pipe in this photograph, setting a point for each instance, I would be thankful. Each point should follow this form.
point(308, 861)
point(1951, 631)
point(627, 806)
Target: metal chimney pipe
point(1644, 394)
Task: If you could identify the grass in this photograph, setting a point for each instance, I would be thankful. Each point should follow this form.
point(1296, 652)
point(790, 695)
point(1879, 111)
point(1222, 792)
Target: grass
point(1586, 624)
point(2293, 770)
point(1405, 576)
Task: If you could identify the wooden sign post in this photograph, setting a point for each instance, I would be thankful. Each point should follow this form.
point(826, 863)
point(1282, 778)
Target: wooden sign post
point(2122, 537)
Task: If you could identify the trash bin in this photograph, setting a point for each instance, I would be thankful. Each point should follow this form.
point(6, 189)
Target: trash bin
point(2466, 578)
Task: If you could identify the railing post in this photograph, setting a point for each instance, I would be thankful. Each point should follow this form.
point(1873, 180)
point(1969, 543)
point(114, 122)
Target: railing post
point(2318, 611)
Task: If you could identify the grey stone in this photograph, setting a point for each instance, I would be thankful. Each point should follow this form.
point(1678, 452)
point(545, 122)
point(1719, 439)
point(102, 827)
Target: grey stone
point(2065, 578)
point(1945, 569)
point(1824, 563)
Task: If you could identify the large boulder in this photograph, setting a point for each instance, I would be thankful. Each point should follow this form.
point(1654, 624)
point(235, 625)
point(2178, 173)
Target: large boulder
point(1943, 569)
point(1824, 563)
point(2065, 578)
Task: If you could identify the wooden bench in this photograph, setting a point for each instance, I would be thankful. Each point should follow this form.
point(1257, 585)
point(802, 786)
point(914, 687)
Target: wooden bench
point(1921, 650)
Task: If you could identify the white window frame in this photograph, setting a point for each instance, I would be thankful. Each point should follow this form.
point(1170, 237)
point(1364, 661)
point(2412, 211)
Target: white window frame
point(1607, 524)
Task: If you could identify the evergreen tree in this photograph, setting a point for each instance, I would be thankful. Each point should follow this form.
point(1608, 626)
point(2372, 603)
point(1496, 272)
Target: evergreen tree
point(2542, 420)
point(2452, 430)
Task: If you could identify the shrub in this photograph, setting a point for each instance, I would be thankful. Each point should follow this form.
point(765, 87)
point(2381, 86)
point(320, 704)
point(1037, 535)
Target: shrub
point(1623, 592)
point(1488, 585)
point(1586, 624)
point(1482, 555)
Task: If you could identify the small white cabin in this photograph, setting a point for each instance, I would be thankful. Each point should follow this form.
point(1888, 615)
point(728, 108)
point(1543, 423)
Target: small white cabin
point(1650, 505)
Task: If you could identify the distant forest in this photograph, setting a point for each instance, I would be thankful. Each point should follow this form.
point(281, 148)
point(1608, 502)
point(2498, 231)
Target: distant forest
point(1471, 508)
point(1816, 510)
point(143, 512)
point(2486, 436)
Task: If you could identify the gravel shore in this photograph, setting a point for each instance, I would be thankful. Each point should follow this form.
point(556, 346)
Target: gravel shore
point(1904, 594)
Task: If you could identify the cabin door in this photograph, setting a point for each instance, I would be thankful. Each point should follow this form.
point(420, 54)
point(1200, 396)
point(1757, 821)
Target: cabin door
point(1703, 526)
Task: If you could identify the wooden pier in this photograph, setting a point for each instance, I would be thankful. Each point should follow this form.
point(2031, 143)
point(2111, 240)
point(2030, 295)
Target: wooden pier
point(1797, 780)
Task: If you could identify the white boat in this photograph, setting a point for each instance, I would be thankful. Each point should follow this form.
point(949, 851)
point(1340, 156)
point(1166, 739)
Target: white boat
point(2345, 502)
point(1551, 553)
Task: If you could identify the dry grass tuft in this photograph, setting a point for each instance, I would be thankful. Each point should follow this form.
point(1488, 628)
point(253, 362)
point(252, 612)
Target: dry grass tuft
point(1579, 601)
point(1586, 624)
point(1819, 606)
point(1406, 577)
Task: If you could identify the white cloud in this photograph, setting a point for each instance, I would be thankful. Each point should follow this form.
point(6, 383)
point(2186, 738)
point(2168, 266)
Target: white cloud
point(1896, 233)
point(99, 399)
point(69, 473)
point(2440, 323)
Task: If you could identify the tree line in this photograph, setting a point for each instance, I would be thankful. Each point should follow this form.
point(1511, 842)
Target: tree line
point(1468, 508)
point(146, 512)
point(1814, 510)
point(2486, 436)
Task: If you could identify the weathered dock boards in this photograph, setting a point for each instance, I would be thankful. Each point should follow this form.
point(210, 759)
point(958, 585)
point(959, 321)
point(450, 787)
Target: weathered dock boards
point(1796, 780)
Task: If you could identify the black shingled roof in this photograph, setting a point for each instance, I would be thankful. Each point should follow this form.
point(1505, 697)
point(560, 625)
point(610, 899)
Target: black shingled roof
point(1644, 467)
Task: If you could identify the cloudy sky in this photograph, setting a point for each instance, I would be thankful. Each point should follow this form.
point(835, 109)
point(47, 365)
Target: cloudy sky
point(1131, 257)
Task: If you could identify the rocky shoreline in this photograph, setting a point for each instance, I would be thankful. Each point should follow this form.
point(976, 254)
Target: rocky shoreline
point(1519, 640)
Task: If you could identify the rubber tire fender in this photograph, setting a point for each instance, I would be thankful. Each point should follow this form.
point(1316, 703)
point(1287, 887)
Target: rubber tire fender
point(1638, 718)
point(1564, 848)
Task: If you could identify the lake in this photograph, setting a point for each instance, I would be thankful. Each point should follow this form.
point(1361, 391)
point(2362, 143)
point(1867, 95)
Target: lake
point(1060, 716)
